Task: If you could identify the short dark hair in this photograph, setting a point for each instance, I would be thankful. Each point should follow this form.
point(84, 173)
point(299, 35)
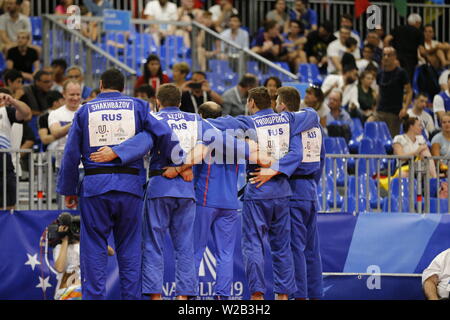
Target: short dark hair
point(59, 63)
point(349, 67)
point(346, 16)
point(269, 24)
point(421, 94)
point(350, 42)
point(369, 46)
point(4, 90)
point(248, 80)
point(210, 110)
point(276, 79)
point(317, 92)
point(328, 26)
point(113, 79)
point(261, 97)
point(169, 95)
point(235, 16)
point(147, 89)
point(200, 73)
point(12, 75)
point(38, 75)
point(290, 97)
point(52, 97)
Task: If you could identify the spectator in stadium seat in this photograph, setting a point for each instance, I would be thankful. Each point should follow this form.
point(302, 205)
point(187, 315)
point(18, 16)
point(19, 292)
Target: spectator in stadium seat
point(11, 23)
point(11, 111)
point(180, 72)
point(280, 15)
point(436, 277)
point(236, 34)
point(36, 94)
point(61, 8)
point(25, 7)
point(443, 79)
point(221, 13)
point(337, 112)
point(346, 20)
point(317, 44)
point(412, 143)
point(336, 50)
point(199, 92)
point(235, 99)
point(23, 57)
point(152, 73)
point(96, 7)
point(303, 13)
point(268, 43)
point(161, 10)
point(272, 85)
point(348, 59)
point(293, 43)
point(147, 93)
point(367, 96)
point(434, 52)
point(367, 59)
point(418, 111)
point(441, 101)
point(314, 98)
point(347, 83)
point(395, 92)
point(440, 144)
point(59, 67)
point(76, 73)
point(187, 13)
point(373, 39)
point(55, 100)
point(14, 83)
point(407, 39)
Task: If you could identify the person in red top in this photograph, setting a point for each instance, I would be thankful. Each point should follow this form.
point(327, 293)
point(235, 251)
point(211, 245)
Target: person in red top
point(152, 73)
point(61, 9)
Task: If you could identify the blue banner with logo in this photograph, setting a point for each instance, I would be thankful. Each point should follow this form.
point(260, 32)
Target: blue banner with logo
point(367, 256)
point(116, 20)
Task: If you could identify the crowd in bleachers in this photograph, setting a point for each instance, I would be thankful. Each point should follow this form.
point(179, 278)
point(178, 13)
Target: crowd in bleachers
point(353, 81)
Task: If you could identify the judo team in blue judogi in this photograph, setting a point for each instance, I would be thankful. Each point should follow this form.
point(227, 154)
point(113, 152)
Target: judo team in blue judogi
point(192, 194)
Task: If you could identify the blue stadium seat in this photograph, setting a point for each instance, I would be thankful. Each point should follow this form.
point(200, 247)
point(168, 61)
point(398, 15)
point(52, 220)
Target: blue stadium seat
point(380, 131)
point(329, 193)
point(443, 205)
point(351, 206)
point(2, 62)
point(300, 86)
point(36, 28)
point(395, 191)
point(336, 145)
point(309, 72)
point(371, 192)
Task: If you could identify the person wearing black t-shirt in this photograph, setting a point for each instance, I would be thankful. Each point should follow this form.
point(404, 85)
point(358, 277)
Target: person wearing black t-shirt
point(406, 40)
point(317, 44)
point(54, 100)
point(395, 92)
point(23, 58)
point(199, 93)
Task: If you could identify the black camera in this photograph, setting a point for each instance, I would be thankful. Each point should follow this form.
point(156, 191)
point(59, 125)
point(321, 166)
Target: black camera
point(195, 85)
point(68, 220)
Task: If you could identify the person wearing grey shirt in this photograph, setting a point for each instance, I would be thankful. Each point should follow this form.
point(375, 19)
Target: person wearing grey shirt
point(236, 35)
point(235, 99)
point(337, 113)
point(11, 23)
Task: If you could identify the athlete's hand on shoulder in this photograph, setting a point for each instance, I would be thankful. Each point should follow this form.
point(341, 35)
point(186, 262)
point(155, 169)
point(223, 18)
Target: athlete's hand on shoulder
point(187, 175)
point(170, 172)
point(104, 154)
point(262, 175)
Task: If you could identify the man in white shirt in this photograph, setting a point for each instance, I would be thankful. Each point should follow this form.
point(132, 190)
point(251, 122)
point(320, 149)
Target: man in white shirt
point(221, 14)
point(235, 34)
point(347, 82)
point(436, 278)
point(162, 10)
point(443, 80)
point(441, 101)
point(347, 21)
point(336, 50)
point(60, 120)
point(417, 111)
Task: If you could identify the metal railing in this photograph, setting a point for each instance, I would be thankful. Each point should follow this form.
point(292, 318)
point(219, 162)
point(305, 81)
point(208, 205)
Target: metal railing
point(61, 42)
point(382, 183)
point(350, 183)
